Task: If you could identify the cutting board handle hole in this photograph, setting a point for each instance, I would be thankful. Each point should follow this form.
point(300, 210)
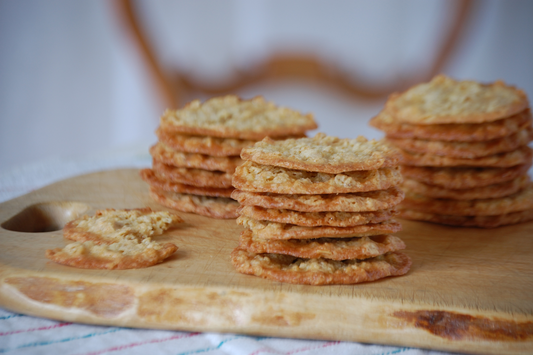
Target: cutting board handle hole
point(45, 216)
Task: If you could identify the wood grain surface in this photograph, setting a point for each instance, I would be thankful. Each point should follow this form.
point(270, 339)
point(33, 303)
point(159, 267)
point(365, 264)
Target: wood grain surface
point(469, 290)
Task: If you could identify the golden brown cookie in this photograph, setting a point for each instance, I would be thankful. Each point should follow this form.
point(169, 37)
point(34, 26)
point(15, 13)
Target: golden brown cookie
point(164, 154)
point(324, 154)
point(315, 219)
point(156, 182)
point(286, 268)
point(328, 248)
point(465, 149)
point(110, 225)
point(123, 254)
point(232, 117)
point(520, 201)
point(213, 146)
point(263, 178)
point(273, 230)
point(461, 132)
point(464, 178)
point(503, 160)
point(190, 176)
point(483, 192)
point(354, 202)
point(492, 221)
point(216, 207)
point(444, 100)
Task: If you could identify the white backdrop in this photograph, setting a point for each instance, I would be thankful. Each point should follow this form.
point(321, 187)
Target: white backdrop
point(71, 81)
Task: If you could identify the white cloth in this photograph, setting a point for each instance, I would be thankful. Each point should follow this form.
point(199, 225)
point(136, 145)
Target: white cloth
point(21, 334)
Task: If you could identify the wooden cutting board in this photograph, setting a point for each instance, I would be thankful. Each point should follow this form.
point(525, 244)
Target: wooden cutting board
point(469, 290)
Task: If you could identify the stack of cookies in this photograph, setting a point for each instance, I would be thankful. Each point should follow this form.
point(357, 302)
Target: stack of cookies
point(199, 145)
point(318, 211)
point(466, 153)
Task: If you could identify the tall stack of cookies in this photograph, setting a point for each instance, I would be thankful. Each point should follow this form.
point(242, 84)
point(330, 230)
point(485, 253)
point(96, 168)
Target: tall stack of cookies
point(318, 211)
point(199, 145)
point(466, 154)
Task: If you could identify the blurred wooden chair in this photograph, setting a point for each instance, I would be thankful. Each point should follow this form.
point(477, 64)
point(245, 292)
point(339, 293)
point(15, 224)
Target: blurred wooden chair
point(176, 87)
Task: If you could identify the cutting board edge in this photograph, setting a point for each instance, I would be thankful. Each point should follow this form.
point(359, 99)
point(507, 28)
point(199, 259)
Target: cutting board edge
point(234, 310)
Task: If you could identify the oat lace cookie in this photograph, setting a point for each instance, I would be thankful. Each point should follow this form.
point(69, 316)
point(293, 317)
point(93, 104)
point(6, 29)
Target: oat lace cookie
point(274, 230)
point(213, 146)
point(460, 132)
point(520, 201)
point(158, 183)
point(123, 254)
point(482, 192)
point(492, 221)
point(264, 178)
point(464, 177)
point(503, 160)
point(164, 154)
point(444, 100)
point(290, 269)
point(348, 202)
point(216, 207)
point(328, 248)
point(191, 176)
point(116, 239)
point(465, 149)
point(111, 225)
point(233, 117)
point(324, 154)
point(207, 145)
point(315, 219)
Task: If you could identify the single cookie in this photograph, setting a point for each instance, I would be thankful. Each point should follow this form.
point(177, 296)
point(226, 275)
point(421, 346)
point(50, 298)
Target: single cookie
point(491, 191)
point(324, 154)
point(273, 230)
point(231, 117)
point(461, 132)
point(465, 149)
point(315, 219)
point(504, 160)
point(190, 176)
point(444, 100)
point(264, 178)
point(354, 202)
point(159, 183)
point(124, 254)
point(470, 221)
point(464, 178)
point(213, 146)
point(520, 201)
point(216, 207)
point(160, 152)
point(328, 248)
point(286, 268)
point(110, 225)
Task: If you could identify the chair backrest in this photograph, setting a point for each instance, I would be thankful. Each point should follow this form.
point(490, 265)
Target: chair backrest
point(175, 86)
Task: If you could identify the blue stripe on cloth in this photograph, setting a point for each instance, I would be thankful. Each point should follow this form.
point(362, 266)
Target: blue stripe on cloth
point(12, 316)
point(43, 343)
point(397, 351)
point(198, 351)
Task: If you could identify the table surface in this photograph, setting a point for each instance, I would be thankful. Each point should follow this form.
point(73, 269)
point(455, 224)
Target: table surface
point(21, 334)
